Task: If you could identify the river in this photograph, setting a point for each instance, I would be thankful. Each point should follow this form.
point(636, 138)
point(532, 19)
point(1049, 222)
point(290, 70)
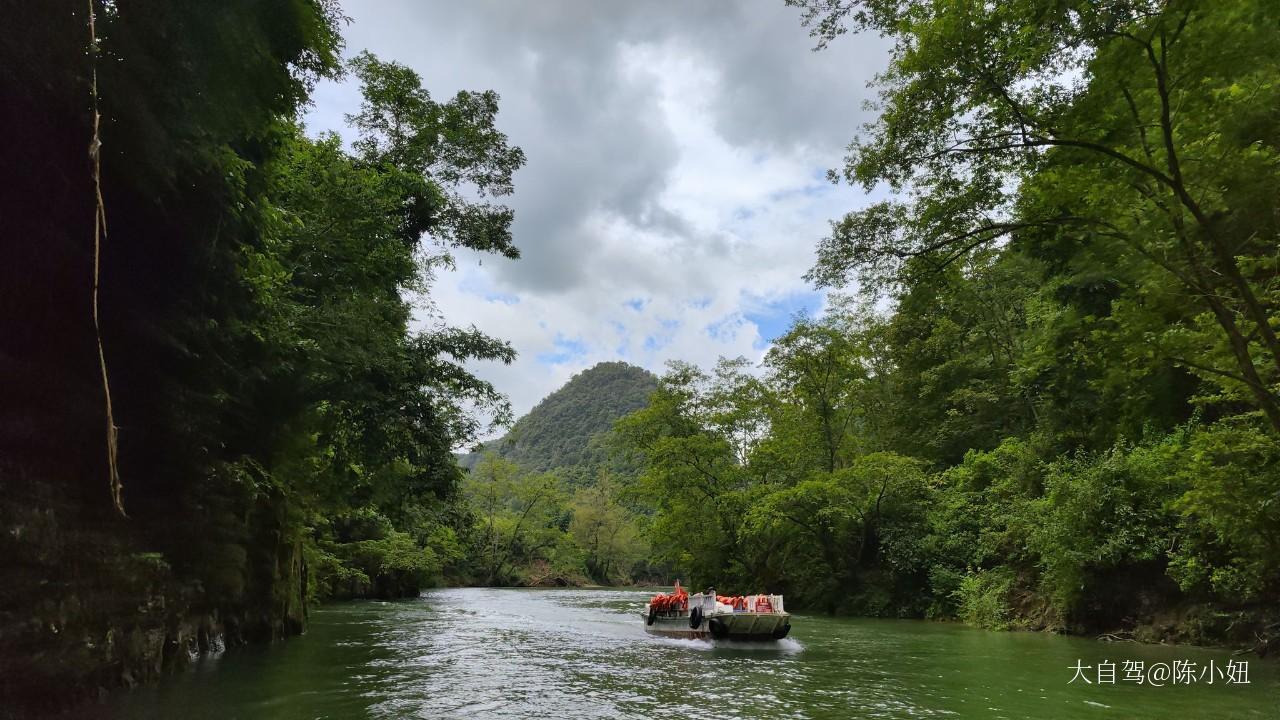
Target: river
point(480, 653)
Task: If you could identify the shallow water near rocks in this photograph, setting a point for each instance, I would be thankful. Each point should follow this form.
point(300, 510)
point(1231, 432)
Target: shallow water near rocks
point(479, 653)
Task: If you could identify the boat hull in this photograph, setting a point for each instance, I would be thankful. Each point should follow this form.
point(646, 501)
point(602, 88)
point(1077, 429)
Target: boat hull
point(740, 626)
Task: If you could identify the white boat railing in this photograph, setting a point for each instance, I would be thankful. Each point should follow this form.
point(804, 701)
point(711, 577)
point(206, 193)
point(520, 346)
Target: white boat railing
point(704, 601)
point(755, 603)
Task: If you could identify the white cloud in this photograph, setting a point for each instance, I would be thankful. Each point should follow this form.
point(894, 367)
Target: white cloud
point(674, 186)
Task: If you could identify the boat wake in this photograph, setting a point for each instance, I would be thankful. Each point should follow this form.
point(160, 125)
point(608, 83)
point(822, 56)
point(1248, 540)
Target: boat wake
point(787, 646)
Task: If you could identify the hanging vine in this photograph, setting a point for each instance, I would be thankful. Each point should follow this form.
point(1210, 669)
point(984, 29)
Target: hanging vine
point(99, 235)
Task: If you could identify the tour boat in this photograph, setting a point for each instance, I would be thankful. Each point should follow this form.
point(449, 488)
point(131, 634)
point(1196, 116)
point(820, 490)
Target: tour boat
point(706, 615)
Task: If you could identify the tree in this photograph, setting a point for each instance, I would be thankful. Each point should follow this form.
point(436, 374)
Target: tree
point(355, 414)
point(818, 367)
point(843, 515)
point(605, 530)
point(517, 518)
point(188, 111)
point(445, 152)
point(687, 444)
point(1078, 123)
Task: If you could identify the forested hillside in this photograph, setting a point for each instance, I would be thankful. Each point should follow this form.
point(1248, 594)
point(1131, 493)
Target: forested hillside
point(1045, 391)
point(565, 431)
point(552, 502)
point(213, 409)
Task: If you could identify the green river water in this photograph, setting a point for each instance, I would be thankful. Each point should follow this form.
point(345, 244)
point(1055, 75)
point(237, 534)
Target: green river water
point(479, 653)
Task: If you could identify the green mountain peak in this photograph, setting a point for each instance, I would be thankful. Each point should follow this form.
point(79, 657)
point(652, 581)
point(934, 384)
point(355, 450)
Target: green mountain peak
point(564, 431)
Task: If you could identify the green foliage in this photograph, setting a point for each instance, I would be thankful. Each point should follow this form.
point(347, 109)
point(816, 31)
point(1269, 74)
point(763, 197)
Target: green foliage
point(758, 481)
point(550, 502)
point(442, 152)
point(566, 431)
point(366, 411)
point(1056, 331)
point(1053, 402)
point(1105, 178)
point(955, 348)
point(690, 440)
point(1231, 510)
point(982, 598)
point(363, 554)
point(1100, 516)
point(518, 533)
point(285, 433)
point(606, 531)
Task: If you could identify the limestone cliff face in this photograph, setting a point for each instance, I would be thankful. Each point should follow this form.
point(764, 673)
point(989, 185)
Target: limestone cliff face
point(85, 610)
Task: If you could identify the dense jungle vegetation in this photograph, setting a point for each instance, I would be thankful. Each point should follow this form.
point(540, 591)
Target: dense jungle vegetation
point(1048, 394)
point(552, 501)
point(284, 433)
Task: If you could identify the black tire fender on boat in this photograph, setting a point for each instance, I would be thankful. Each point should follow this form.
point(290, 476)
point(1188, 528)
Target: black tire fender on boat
point(782, 632)
point(719, 628)
point(695, 617)
point(649, 618)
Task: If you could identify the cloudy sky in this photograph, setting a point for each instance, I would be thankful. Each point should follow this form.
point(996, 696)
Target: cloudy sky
point(675, 183)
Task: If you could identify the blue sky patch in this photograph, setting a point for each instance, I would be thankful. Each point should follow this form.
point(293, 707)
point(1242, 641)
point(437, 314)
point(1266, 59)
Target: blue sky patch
point(725, 329)
point(772, 318)
point(504, 298)
point(475, 284)
point(566, 349)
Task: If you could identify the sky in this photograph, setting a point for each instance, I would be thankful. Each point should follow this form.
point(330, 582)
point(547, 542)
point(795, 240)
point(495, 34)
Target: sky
point(675, 184)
